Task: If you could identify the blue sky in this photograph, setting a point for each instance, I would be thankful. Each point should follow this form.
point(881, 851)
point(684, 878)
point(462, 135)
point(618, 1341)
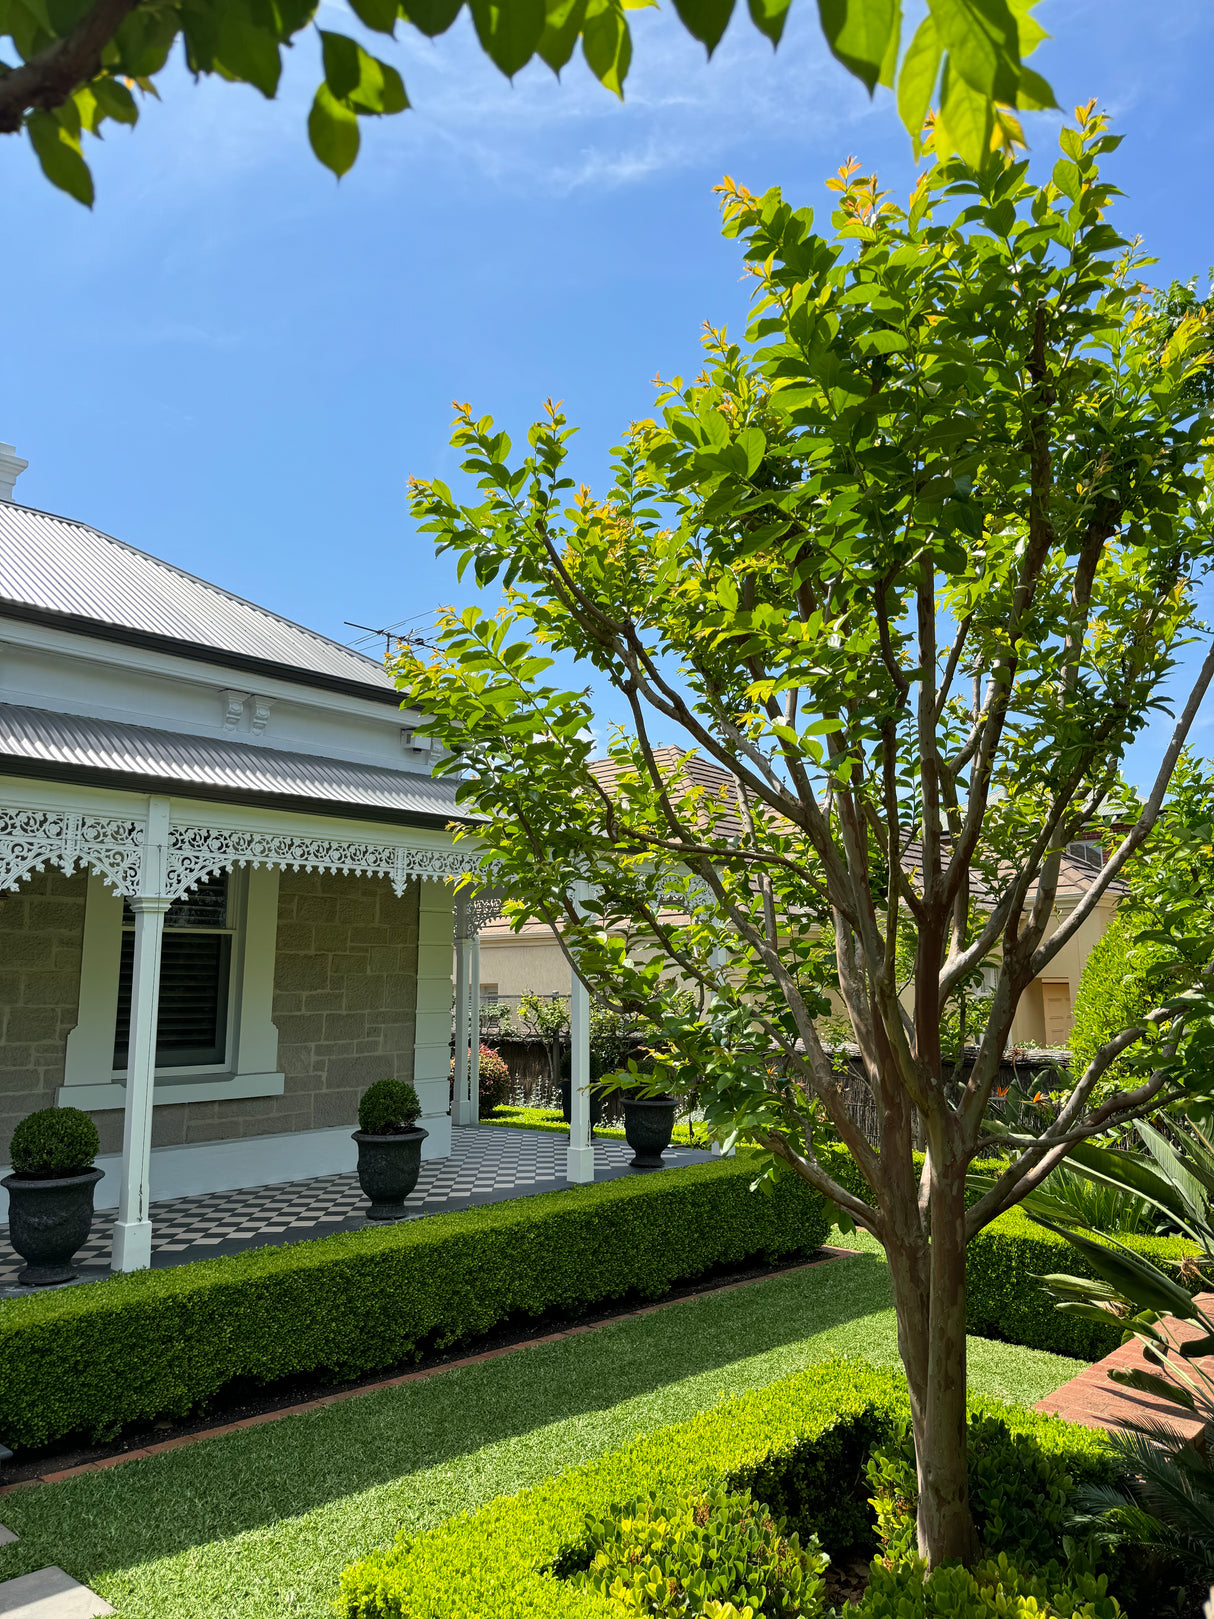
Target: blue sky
point(235, 362)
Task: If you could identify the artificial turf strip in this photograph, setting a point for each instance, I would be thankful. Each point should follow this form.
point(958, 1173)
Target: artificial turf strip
point(552, 1120)
point(261, 1523)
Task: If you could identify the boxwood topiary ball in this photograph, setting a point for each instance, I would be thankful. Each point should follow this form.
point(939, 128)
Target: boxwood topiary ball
point(388, 1107)
point(53, 1143)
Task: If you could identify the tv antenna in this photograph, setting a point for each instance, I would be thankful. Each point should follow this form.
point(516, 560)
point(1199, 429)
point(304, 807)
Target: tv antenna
point(390, 634)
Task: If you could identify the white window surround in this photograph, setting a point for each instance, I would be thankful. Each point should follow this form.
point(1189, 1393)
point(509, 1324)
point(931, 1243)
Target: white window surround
point(252, 1036)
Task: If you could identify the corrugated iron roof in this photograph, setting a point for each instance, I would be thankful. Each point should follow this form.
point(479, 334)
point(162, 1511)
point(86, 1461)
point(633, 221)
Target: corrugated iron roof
point(55, 565)
point(68, 746)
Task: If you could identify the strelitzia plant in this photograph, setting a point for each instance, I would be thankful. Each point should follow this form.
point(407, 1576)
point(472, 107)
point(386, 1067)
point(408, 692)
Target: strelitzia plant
point(1167, 1505)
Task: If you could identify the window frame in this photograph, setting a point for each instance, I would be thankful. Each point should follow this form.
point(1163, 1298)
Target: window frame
point(90, 1080)
point(235, 912)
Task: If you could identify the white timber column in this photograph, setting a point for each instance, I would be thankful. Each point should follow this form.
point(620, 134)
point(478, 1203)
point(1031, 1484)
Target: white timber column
point(432, 1034)
point(717, 962)
point(132, 1247)
point(579, 1169)
point(459, 1100)
point(474, 1018)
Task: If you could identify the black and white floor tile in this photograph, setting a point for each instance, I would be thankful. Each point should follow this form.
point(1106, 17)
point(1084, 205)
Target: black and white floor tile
point(486, 1166)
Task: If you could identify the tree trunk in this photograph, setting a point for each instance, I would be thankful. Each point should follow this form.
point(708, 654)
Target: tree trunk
point(929, 1301)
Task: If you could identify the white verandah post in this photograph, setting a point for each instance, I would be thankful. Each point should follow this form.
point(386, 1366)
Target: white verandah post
point(459, 1102)
point(474, 1018)
point(132, 1246)
point(579, 1168)
point(717, 963)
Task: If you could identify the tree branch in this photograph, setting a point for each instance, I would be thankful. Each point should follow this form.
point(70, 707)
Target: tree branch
point(47, 80)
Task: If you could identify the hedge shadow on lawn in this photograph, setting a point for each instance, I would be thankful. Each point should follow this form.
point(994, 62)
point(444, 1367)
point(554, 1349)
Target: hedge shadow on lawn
point(297, 1465)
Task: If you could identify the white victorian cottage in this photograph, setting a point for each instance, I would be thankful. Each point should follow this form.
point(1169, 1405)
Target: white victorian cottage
point(225, 876)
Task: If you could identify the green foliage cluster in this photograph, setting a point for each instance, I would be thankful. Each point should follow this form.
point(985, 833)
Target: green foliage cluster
point(494, 1080)
point(1105, 1208)
point(996, 1589)
point(388, 1108)
point(711, 1552)
point(81, 63)
point(159, 1342)
point(798, 1445)
point(1020, 1495)
point(54, 1142)
point(1116, 990)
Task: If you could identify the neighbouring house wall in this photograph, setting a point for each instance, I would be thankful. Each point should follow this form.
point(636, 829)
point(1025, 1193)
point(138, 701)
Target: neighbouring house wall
point(523, 964)
point(532, 963)
point(41, 928)
point(345, 982)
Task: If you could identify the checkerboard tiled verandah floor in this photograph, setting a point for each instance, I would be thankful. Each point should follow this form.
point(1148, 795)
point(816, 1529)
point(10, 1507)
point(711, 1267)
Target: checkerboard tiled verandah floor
point(487, 1165)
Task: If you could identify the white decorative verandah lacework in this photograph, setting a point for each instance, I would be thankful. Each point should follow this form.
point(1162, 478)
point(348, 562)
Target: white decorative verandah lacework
point(196, 852)
point(33, 839)
point(475, 909)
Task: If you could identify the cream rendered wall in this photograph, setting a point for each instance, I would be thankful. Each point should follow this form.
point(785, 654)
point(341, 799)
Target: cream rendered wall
point(523, 964)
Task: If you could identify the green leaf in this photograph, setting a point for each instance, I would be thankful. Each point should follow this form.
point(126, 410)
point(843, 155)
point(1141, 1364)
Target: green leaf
point(361, 81)
point(769, 17)
point(115, 100)
point(983, 42)
point(1066, 178)
point(509, 30)
point(561, 29)
point(1133, 1377)
point(705, 20)
point(965, 120)
point(378, 15)
point(144, 41)
point(333, 132)
point(1034, 94)
point(432, 17)
point(755, 446)
point(58, 152)
point(247, 52)
point(917, 80)
point(859, 34)
point(607, 47)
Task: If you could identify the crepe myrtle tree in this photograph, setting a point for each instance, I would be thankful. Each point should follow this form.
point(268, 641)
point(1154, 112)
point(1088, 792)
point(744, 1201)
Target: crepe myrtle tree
point(915, 568)
point(79, 64)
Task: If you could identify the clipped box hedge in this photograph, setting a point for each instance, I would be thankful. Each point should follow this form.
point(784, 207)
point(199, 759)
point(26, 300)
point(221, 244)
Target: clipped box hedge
point(1004, 1297)
point(88, 1360)
point(799, 1445)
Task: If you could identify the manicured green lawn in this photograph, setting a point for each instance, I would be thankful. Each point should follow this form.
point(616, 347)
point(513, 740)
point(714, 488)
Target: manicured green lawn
point(261, 1523)
point(552, 1120)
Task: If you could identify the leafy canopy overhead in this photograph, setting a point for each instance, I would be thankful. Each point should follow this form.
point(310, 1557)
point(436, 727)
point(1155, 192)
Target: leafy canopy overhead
point(913, 569)
point(79, 63)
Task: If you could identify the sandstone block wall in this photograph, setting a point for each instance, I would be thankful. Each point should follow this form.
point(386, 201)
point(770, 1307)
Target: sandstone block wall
point(345, 986)
point(41, 929)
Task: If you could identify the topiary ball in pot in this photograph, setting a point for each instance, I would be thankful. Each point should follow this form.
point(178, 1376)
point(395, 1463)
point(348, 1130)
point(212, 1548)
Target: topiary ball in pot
point(389, 1147)
point(50, 1192)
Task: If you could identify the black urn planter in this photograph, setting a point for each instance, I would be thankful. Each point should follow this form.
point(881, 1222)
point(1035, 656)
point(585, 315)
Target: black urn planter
point(388, 1167)
point(648, 1126)
point(596, 1103)
point(47, 1222)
